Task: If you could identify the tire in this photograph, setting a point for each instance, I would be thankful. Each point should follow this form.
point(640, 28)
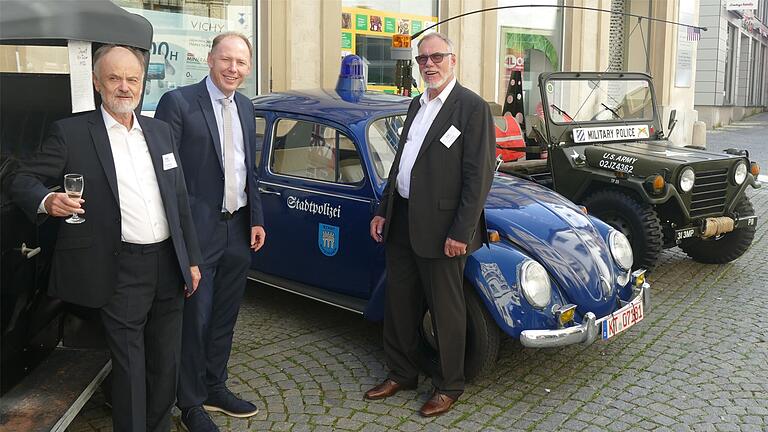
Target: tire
point(724, 248)
point(636, 220)
point(482, 345)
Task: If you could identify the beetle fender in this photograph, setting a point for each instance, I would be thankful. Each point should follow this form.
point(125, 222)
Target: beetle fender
point(493, 272)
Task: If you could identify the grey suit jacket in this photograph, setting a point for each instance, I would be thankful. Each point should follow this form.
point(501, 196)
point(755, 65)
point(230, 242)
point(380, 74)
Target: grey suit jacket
point(85, 261)
point(449, 185)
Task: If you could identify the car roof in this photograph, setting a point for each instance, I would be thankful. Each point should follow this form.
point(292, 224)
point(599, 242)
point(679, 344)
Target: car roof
point(342, 107)
point(45, 21)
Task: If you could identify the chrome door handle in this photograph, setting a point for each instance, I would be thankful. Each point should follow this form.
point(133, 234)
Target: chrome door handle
point(27, 252)
point(269, 191)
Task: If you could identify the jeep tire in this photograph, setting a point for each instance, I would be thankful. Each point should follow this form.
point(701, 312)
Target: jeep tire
point(482, 345)
point(724, 248)
point(635, 219)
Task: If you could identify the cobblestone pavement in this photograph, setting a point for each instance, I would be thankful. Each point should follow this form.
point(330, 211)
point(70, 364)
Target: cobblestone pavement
point(699, 360)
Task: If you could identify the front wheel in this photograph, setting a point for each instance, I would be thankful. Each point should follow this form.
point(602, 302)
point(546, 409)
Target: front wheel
point(726, 247)
point(483, 339)
point(635, 219)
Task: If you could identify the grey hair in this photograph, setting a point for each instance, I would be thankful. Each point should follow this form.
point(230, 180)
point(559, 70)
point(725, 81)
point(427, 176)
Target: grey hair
point(104, 49)
point(440, 36)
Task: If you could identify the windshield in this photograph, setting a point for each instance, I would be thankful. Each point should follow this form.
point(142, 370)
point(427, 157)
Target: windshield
point(383, 136)
point(583, 100)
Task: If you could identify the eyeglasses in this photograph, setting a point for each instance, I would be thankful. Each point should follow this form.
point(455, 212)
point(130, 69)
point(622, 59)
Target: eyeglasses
point(435, 57)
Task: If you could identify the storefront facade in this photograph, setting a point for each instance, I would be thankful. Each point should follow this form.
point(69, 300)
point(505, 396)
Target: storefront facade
point(731, 80)
point(367, 32)
point(298, 44)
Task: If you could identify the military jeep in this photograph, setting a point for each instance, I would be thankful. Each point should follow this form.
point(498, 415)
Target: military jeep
point(607, 151)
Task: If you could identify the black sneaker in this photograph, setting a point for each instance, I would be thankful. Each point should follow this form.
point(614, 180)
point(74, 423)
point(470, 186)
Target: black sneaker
point(225, 402)
point(195, 419)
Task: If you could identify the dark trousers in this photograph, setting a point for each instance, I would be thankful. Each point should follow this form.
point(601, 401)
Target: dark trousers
point(414, 283)
point(211, 312)
point(142, 323)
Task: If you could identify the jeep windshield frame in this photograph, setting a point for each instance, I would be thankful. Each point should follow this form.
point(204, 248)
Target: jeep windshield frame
point(584, 100)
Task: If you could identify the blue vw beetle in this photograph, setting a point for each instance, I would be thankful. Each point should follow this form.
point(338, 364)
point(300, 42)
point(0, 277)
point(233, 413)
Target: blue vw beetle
point(551, 276)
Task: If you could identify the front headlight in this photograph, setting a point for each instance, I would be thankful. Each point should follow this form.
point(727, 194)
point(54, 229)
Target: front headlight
point(687, 177)
point(740, 173)
point(535, 283)
point(621, 250)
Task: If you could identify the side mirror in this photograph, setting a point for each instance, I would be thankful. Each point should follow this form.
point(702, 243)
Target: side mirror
point(672, 122)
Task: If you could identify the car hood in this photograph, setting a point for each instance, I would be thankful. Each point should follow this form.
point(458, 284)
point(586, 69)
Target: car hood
point(642, 158)
point(554, 232)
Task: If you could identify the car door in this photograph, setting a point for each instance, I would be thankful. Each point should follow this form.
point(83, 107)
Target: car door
point(317, 201)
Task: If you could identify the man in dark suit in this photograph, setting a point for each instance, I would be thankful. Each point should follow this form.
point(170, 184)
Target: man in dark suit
point(137, 248)
point(214, 128)
point(431, 217)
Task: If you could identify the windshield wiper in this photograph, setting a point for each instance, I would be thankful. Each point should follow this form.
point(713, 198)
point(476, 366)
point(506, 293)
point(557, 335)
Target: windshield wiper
point(562, 112)
point(614, 112)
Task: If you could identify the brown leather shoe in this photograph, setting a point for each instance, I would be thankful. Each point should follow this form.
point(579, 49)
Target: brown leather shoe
point(384, 390)
point(438, 404)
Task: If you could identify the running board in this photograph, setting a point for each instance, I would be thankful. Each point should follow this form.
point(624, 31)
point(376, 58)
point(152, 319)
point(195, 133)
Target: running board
point(352, 304)
point(55, 392)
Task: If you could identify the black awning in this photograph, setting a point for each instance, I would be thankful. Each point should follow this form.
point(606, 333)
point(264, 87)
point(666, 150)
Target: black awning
point(87, 20)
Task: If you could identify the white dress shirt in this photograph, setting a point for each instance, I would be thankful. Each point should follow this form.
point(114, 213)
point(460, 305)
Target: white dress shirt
point(141, 207)
point(142, 212)
point(237, 136)
point(419, 128)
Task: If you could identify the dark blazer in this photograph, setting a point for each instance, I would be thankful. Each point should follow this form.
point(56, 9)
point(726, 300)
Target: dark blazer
point(85, 261)
point(189, 112)
point(449, 185)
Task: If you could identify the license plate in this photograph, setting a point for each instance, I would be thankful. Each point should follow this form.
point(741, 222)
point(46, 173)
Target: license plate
point(623, 318)
point(685, 233)
point(748, 221)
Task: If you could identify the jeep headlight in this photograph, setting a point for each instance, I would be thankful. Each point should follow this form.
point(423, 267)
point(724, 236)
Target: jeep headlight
point(740, 173)
point(621, 250)
point(687, 177)
point(535, 283)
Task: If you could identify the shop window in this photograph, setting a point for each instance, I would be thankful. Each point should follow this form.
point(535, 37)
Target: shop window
point(377, 53)
point(314, 151)
point(183, 31)
point(530, 43)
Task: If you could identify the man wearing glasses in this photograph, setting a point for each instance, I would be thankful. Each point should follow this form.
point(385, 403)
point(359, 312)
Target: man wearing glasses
point(431, 217)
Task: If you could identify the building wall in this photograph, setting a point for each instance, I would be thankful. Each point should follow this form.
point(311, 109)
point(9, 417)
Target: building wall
point(731, 82)
point(475, 43)
point(303, 44)
point(305, 33)
point(664, 69)
point(712, 51)
point(589, 44)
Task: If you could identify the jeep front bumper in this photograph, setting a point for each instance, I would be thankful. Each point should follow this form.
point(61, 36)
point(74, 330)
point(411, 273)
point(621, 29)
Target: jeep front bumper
point(699, 230)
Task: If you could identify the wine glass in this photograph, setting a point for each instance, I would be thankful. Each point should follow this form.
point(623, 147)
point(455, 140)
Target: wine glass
point(73, 186)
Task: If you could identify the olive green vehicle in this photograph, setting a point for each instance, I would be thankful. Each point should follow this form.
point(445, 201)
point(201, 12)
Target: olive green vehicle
point(607, 151)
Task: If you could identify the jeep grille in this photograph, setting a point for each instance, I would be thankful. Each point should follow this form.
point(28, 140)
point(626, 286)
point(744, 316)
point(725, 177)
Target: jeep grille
point(708, 196)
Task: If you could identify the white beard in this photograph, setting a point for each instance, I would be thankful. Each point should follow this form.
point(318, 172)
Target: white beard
point(438, 84)
point(121, 107)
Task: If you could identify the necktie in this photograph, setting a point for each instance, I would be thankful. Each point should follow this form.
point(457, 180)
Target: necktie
point(230, 189)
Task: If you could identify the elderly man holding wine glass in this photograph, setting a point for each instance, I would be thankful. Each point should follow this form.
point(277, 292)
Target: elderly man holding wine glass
point(129, 247)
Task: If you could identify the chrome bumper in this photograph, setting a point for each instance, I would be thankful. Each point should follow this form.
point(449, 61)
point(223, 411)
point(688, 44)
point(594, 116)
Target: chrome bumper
point(587, 332)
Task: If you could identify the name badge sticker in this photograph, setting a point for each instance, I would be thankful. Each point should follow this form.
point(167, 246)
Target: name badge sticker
point(450, 136)
point(169, 161)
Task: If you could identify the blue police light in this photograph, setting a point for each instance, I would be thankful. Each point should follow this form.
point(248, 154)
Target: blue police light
point(351, 75)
